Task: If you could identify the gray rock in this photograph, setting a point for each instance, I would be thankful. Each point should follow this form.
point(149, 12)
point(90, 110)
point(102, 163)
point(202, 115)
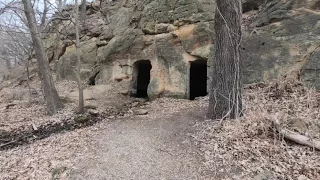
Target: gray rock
point(102, 43)
point(90, 107)
point(124, 92)
point(265, 175)
point(135, 104)
point(93, 112)
point(140, 112)
point(81, 119)
point(164, 28)
point(303, 177)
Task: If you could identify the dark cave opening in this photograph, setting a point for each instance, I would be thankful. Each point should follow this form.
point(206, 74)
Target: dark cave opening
point(143, 68)
point(250, 6)
point(198, 79)
point(316, 5)
point(92, 79)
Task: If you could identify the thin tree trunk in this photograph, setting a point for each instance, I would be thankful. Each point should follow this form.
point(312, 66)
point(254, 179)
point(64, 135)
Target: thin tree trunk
point(225, 98)
point(51, 96)
point(8, 63)
point(81, 109)
point(83, 11)
point(44, 14)
point(59, 4)
point(28, 78)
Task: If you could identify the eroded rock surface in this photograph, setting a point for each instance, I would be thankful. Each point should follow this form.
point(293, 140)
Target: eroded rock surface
point(173, 33)
point(277, 35)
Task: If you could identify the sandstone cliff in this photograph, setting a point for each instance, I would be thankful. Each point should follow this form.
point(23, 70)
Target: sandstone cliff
point(173, 33)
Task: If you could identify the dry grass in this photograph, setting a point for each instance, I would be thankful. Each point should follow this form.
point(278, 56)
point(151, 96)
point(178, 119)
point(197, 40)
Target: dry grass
point(250, 147)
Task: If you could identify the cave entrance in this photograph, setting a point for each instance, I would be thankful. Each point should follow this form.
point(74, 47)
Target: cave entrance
point(92, 79)
point(141, 75)
point(198, 79)
point(250, 6)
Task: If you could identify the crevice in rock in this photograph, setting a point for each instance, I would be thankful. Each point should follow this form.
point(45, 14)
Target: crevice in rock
point(92, 79)
point(63, 50)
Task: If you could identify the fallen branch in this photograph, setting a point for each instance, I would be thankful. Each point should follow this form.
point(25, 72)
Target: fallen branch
point(10, 105)
point(296, 137)
point(2, 124)
point(28, 135)
point(8, 143)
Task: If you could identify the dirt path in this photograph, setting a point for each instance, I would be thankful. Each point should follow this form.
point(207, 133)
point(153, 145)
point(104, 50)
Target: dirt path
point(144, 148)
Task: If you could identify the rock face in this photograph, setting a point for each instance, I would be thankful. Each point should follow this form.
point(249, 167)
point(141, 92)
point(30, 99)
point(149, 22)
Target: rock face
point(277, 35)
point(171, 34)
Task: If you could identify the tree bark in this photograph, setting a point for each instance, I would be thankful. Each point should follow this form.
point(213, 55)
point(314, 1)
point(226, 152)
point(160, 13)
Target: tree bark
point(8, 63)
point(59, 4)
point(83, 9)
point(225, 96)
point(51, 96)
point(44, 14)
point(81, 101)
point(7, 59)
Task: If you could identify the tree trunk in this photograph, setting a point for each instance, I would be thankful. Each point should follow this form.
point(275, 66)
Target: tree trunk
point(81, 110)
point(59, 4)
point(28, 78)
point(8, 62)
point(83, 11)
point(44, 14)
point(225, 96)
point(51, 96)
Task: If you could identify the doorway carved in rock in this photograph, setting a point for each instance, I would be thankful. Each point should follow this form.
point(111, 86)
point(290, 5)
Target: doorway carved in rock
point(197, 79)
point(141, 78)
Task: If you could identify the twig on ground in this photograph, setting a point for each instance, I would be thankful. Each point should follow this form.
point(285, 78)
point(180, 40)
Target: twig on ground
point(10, 105)
point(8, 143)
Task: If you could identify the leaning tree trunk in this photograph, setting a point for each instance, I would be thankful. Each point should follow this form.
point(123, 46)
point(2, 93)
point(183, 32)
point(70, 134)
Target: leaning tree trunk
point(225, 99)
point(51, 96)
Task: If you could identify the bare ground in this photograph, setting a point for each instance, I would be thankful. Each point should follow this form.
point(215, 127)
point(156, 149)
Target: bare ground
point(155, 146)
point(144, 148)
point(175, 141)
